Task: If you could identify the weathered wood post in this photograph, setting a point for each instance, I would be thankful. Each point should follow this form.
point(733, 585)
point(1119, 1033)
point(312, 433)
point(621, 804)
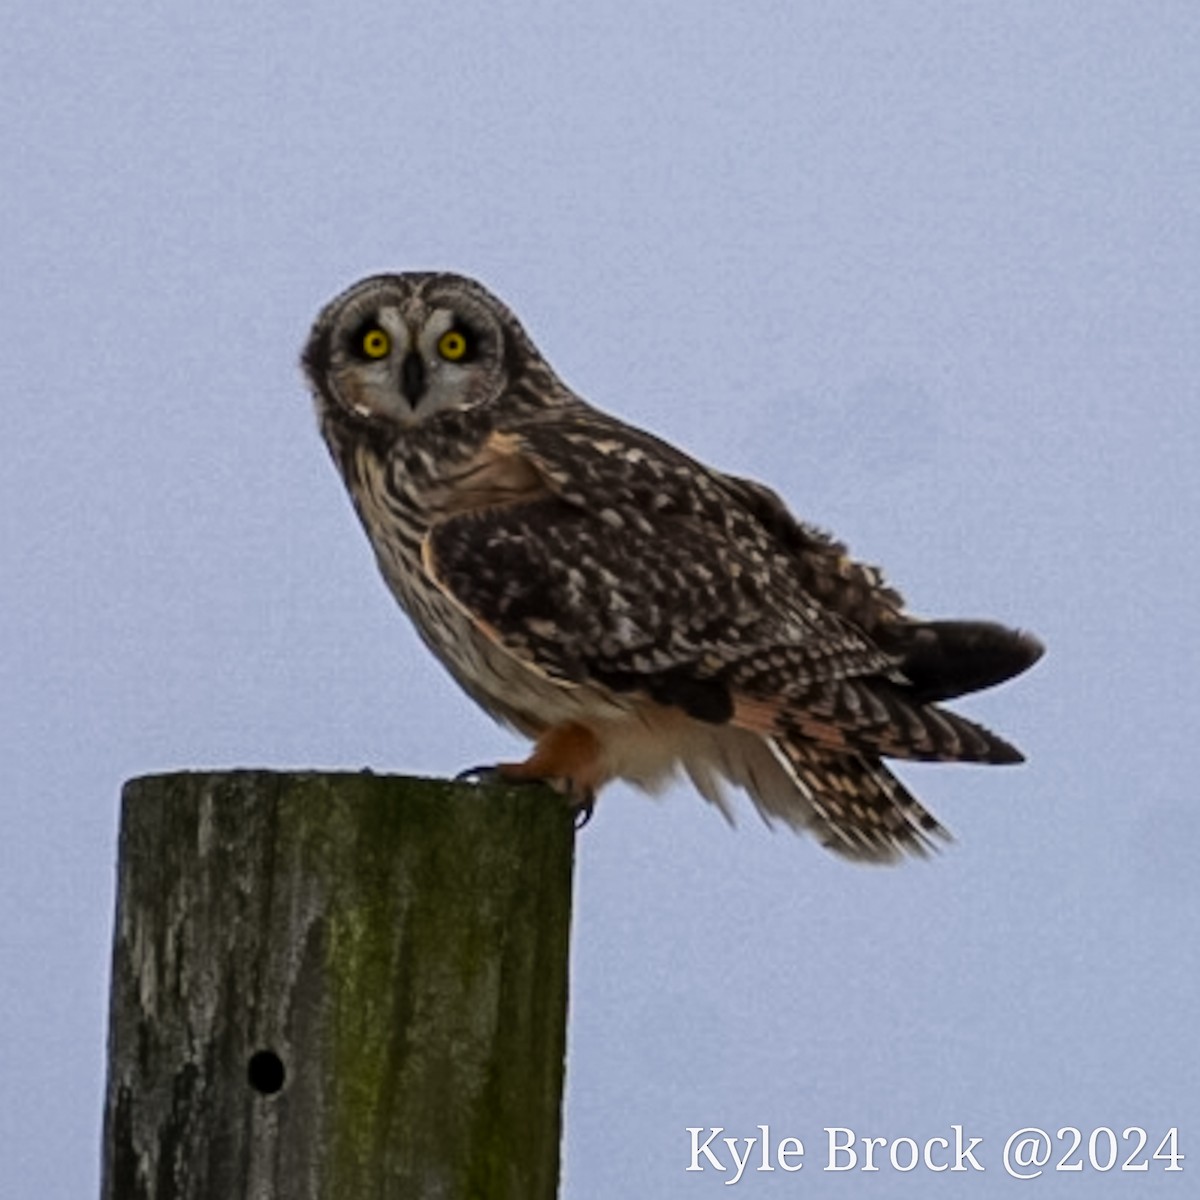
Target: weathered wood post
point(337, 986)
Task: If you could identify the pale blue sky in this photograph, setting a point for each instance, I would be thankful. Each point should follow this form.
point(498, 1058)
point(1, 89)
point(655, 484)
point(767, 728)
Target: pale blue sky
point(929, 269)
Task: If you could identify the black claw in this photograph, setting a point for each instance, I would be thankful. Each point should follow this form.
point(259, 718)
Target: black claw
point(479, 775)
point(583, 810)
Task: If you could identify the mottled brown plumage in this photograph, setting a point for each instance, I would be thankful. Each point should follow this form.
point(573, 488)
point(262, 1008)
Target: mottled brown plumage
point(629, 608)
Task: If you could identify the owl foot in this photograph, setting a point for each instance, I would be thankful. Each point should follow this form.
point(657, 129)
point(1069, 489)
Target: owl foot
point(581, 802)
point(566, 758)
point(481, 776)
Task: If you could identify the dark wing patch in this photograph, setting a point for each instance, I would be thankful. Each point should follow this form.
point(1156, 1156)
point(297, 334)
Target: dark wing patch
point(944, 659)
point(707, 700)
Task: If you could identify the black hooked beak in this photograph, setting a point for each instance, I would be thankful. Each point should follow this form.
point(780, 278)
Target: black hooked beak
point(412, 378)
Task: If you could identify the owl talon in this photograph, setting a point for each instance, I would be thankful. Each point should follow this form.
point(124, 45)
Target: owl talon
point(584, 808)
point(480, 776)
point(581, 803)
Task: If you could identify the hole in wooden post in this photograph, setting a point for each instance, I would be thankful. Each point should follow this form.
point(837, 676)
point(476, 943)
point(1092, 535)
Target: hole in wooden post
point(265, 1072)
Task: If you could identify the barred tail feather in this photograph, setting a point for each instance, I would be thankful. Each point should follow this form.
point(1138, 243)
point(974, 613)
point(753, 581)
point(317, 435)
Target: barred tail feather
point(863, 811)
point(850, 803)
point(728, 755)
point(874, 717)
point(929, 733)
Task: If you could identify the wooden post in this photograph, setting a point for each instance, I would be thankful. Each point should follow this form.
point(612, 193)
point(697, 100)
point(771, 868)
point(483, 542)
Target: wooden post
point(337, 986)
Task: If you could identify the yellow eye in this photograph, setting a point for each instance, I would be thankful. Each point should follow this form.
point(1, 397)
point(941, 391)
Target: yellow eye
point(452, 345)
point(376, 343)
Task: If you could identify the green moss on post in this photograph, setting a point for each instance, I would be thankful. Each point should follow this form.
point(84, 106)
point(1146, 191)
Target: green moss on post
point(335, 986)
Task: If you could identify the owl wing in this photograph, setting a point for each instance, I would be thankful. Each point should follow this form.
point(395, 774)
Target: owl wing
point(854, 590)
point(938, 659)
point(597, 554)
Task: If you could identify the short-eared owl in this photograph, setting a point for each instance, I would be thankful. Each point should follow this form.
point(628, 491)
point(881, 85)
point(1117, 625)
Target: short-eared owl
point(626, 607)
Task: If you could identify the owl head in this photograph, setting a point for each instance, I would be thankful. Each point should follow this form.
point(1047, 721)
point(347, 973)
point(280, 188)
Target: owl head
point(397, 349)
